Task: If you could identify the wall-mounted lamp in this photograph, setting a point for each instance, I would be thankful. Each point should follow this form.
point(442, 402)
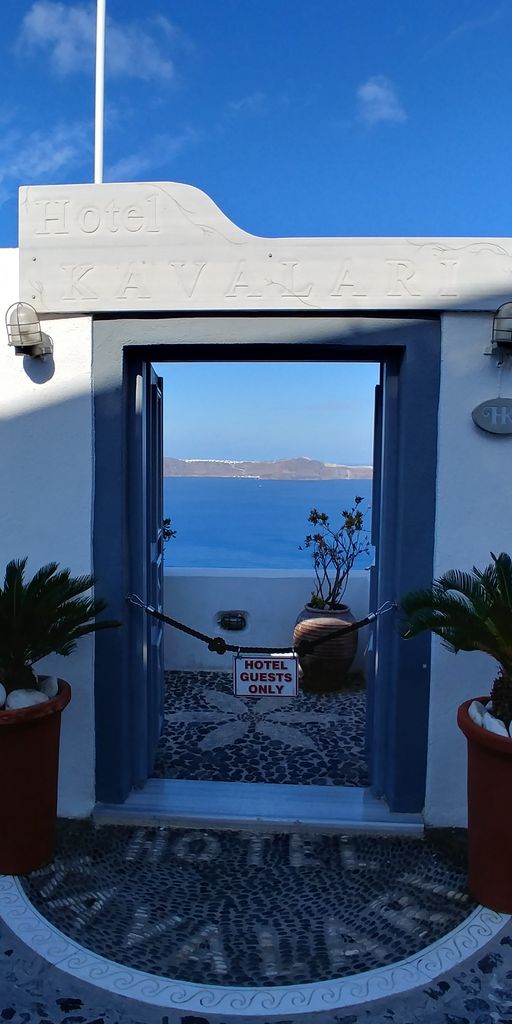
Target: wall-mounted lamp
point(501, 341)
point(24, 331)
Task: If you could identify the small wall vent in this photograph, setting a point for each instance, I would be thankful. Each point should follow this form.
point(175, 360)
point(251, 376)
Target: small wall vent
point(232, 621)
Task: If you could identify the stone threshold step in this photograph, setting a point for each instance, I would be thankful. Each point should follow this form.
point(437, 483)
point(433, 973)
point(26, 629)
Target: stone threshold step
point(199, 804)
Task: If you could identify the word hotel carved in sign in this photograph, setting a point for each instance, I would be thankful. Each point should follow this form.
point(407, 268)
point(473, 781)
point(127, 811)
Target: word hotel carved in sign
point(271, 676)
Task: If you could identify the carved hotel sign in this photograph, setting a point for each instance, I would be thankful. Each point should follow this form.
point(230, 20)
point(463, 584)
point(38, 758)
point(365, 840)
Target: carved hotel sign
point(166, 246)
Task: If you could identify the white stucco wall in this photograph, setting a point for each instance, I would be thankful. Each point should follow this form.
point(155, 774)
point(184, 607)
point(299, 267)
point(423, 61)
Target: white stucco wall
point(473, 517)
point(46, 466)
point(272, 599)
point(46, 472)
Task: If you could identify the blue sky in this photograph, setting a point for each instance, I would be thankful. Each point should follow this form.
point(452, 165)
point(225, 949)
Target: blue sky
point(268, 411)
point(298, 118)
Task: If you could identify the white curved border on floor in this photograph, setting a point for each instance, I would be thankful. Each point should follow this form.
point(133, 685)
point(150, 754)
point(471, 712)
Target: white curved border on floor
point(233, 1002)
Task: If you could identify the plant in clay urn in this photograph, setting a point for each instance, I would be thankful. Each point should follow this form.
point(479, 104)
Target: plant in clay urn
point(45, 615)
point(335, 550)
point(472, 611)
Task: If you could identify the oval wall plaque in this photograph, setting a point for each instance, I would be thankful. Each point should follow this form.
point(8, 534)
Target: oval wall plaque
point(494, 415)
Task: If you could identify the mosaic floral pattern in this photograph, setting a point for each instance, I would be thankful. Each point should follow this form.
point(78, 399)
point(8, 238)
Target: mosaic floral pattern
point(212, 735)
point(243, 908)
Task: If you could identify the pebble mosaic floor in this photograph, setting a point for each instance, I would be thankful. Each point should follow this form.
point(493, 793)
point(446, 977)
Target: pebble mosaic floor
point(250, 908)
point(212, 735)
point(242, 908)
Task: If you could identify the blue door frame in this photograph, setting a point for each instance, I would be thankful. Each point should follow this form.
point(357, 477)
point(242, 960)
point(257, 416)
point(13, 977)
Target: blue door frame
point(403, 527)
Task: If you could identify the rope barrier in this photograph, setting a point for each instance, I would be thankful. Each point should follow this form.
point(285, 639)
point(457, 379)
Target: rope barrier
point(218, 645)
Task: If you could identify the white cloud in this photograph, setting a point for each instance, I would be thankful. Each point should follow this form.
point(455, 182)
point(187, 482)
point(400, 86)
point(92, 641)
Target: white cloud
point(34, 157)
point(144, 164)
point(252, 104)
point(66, 33)
point(132, 52)
point(480, 24)
point(42, 157)
point(378, 101)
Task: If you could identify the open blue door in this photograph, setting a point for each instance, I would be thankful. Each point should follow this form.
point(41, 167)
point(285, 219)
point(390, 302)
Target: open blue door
point(371, 662)
point(155, 559)
point(146, 564)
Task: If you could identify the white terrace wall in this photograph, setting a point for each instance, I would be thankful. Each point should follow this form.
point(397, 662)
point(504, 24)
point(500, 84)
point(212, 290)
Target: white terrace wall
point(272, 599)
point(46, 463)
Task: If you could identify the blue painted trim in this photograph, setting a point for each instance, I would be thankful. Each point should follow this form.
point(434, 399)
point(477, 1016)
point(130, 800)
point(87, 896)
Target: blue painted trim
point(410, 353)
point(411, 395)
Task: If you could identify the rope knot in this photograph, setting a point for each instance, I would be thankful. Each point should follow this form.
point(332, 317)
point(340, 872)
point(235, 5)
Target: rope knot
point(217, 644)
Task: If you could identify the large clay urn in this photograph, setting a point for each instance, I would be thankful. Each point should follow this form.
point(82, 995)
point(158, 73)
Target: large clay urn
point(326, 668)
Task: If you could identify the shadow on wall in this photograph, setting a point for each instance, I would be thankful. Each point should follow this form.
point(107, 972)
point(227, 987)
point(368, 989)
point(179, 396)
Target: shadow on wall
point(46, 514)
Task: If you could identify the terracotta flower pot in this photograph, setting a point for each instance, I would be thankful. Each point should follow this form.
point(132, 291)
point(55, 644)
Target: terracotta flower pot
point(489, 818)
point(29, 760)
point(326, 668)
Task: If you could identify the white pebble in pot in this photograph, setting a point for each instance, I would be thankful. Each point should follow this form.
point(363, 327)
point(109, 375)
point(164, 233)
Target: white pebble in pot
point(476, 712)
point(48, 685)
point(495, 725)
point(24, 698)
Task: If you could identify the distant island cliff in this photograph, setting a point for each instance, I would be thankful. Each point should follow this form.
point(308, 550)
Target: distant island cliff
point(277, 469)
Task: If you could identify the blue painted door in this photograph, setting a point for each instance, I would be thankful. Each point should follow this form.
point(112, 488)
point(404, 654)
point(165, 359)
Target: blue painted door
point(145, 454)
point(383, 580)
point(154, 558)
point(371, 662)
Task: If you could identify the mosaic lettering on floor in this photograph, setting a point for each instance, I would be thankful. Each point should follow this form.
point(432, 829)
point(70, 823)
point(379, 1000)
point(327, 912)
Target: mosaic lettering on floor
point(244, 908)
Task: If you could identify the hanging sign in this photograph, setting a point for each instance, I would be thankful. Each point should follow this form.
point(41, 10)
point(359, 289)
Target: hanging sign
point(494, 415)
point(265, 675)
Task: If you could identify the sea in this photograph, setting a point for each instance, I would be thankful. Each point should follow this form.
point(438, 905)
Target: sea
point(246, 523)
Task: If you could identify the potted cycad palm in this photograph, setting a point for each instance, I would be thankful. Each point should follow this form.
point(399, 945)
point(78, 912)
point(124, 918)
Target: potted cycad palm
point(335, 549)
point(44, 615)
point(472, 611)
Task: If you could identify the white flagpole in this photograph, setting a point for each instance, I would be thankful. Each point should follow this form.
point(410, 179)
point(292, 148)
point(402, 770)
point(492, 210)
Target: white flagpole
point(100, 91)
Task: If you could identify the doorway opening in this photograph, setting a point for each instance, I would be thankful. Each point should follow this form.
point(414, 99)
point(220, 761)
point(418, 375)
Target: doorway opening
point(128, 544)
point(250, 450)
